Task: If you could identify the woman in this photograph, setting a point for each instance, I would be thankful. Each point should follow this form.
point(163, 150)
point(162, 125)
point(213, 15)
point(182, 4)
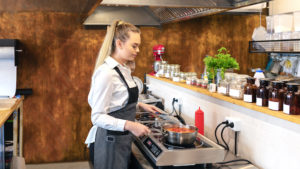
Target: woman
point(113, 99)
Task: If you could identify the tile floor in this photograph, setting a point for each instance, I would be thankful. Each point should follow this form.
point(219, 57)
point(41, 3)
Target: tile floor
point(66, 165)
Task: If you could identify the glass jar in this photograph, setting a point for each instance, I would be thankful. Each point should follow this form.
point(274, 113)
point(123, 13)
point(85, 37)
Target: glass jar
point(277, 45)
point(250, 90)
point(193, 74)
point(162, 69)
point(290, 100)
point(175, 69)
point(167, 73)
point(199, 82)
point(276, 94)
point(188, 80)
point(224, 85)
point(176, 78)
point(237, 87)
point(182, 76)
point(194, 81)
point(262, 93)
point(204, 84)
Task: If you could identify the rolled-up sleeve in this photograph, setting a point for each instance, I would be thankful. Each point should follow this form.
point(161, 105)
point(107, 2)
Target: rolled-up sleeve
point(99, 99)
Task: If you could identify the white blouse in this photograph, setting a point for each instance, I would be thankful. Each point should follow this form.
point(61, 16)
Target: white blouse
point(108, 93)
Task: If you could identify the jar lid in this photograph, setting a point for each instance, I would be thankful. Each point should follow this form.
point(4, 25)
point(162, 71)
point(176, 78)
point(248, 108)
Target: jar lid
point(259, 70)
point(264, 81)
point(277, 83)
point(292, 87)
point(250, 80)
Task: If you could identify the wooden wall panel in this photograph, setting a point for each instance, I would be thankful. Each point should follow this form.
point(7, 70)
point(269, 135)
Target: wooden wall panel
point(187, 43)
point(58, 61)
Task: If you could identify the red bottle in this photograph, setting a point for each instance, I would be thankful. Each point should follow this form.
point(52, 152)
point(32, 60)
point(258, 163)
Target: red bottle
point(199, 121)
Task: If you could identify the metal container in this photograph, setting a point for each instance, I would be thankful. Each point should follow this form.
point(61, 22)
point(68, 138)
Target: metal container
point(180, 138)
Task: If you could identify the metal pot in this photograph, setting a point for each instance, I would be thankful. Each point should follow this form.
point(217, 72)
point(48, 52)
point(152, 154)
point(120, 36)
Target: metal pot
point(180, 138)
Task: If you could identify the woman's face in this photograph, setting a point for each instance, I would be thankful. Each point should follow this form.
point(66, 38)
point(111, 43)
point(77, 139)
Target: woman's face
point(130, 48)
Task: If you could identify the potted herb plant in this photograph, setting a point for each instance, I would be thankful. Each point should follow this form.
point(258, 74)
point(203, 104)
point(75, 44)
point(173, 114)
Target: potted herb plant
point(220, 63)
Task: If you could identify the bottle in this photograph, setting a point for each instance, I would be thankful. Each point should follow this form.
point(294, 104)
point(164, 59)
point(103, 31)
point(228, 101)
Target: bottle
point(290, 100)
point(259, 74)
point(250, 90)
point(276, 95)
point(262, 93)
point(199, 121)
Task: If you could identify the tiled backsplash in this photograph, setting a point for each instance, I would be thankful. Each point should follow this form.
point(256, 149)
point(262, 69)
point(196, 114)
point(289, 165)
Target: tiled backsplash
point(268, 142)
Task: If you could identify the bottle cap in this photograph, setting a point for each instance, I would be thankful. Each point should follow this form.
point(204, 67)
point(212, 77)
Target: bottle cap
point(259, 70)
point(292, 87)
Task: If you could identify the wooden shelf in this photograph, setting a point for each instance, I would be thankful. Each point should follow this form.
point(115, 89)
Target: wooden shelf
point(252, 106)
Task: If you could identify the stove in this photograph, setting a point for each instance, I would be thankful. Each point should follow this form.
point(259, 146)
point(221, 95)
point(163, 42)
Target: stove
point(161, 153)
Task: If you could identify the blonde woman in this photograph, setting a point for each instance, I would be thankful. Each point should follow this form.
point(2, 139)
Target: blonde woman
point(113, 98)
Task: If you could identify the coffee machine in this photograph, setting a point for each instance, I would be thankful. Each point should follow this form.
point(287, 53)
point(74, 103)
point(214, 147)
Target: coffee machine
point(158, 51)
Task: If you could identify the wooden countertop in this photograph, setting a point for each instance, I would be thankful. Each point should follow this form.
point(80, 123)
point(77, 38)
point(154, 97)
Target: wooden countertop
point(7, 107)
point(252, 106)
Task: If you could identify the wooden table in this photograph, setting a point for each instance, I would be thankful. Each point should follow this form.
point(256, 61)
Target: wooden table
point(15, 107)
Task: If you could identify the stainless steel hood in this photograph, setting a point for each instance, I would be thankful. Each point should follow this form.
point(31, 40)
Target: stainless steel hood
point(154, 13)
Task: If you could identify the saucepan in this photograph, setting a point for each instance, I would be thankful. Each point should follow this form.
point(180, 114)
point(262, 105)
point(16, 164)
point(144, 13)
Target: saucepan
point(179, 134)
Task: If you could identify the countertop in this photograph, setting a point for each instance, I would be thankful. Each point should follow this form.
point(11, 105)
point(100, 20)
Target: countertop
point(7, 106)
point(253, 106)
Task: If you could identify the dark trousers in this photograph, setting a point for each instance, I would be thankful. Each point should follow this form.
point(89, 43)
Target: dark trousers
point(92, 153)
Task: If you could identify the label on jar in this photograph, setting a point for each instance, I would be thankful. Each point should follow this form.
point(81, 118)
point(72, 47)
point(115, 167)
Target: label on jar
point(176, 79)
point(286, 108)
point(222, 90)
point(259, 101)
point(273, 105)
point(234, 93)
point(248, 98)
point(188, 82)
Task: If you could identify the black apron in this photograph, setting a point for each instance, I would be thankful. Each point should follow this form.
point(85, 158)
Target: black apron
point(112, 149)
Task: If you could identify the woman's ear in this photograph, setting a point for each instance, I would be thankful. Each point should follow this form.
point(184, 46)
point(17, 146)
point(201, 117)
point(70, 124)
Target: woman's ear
point(119, 44)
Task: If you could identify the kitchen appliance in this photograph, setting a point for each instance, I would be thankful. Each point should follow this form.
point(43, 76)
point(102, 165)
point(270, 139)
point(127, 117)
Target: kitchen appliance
point(158, 51)
point(160, 153)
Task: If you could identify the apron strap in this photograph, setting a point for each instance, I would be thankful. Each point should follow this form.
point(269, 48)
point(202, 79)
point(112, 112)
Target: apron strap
point(121, 75)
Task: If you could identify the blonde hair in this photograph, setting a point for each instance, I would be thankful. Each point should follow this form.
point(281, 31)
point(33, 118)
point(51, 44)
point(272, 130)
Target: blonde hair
point(117, 30)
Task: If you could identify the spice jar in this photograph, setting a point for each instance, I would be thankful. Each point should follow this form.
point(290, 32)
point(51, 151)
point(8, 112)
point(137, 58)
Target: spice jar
point(204, 84)
point(262, 93)
point(237, 87)
point(182, 76)
point(290, 100)
point(250, 90)
point(224, 85)
point(276, 95)
point(194, 81)
point(199, 82)
point(188, 80)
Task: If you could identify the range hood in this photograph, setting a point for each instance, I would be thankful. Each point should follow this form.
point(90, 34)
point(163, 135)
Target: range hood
point(154, 13)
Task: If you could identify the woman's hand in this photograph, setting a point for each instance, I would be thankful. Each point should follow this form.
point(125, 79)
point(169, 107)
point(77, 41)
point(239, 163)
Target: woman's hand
point(136, 129)
point(148, 107)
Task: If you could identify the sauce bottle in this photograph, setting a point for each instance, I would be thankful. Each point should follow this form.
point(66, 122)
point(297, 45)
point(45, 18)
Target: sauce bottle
point(290, 100)
point(276, 95)
point(262, 93)
point(250, 90)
